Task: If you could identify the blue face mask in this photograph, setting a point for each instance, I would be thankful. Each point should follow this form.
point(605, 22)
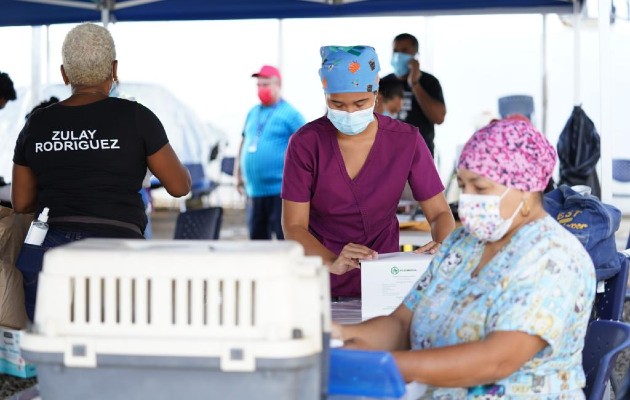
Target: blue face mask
point(351, 123)
point(388, 114)
point(399, 62)
point(113, 88)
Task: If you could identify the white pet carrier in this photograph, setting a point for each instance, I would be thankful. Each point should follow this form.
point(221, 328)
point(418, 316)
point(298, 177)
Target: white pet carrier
point(132, 319)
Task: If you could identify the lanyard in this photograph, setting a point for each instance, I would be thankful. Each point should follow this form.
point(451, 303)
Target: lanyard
point(261, 125)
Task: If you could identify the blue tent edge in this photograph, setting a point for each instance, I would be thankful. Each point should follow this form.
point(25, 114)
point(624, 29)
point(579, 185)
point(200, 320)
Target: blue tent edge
point(19, 13)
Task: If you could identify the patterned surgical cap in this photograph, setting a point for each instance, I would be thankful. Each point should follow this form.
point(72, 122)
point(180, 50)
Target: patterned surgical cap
point(349, 69)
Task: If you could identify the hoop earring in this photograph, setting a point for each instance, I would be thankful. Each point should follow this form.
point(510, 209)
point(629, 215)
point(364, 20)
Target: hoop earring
point(525, 210)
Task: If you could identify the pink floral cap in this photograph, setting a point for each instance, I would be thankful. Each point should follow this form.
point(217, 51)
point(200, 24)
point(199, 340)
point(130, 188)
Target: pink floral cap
point(510, 152)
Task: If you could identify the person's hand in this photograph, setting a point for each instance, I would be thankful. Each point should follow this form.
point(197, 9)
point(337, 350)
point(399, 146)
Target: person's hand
point(430, 248)
point(240, 185)
point(414, 72)
point(349, 258)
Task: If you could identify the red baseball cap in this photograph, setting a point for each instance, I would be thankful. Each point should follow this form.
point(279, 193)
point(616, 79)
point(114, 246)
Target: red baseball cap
point(267, 71)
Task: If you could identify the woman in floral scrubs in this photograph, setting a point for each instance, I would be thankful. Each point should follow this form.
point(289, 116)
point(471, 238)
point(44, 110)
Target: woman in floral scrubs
point(503, 308)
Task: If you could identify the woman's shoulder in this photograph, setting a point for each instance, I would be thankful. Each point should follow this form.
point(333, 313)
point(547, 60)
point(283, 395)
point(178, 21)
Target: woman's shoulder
point(126, 103)
point(41, 114)
point(314, 131)
point(132, 108)
point(547, 230)
point(43, 117)
point(106, 105)
point(547, 239)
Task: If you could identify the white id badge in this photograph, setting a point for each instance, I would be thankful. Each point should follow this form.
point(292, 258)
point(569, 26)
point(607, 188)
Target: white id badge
point(253, 146)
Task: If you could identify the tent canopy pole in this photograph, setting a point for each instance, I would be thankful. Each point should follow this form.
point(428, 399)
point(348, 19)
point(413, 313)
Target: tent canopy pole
point(577, 54)
point(605, 84)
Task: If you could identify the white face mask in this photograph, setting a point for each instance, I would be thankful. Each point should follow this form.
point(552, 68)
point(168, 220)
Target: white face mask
point(481, 216)
point(351, 123)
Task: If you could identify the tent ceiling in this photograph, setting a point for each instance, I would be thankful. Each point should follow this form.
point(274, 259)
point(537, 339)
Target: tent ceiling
point(34, 12)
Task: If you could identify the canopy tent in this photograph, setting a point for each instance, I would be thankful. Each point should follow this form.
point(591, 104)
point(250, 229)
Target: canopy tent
point(45, 12)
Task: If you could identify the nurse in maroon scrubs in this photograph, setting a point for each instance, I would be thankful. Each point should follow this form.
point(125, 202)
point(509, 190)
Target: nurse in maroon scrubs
point(344, 174)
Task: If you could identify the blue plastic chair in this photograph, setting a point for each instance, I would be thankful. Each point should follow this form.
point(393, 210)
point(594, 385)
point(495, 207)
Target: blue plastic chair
point(200, 184)
point(364, 373)
point(609, 304)
point(516, 104)
point(203, 224)
point(621, 170)
point(603, 342)
point(623, 392)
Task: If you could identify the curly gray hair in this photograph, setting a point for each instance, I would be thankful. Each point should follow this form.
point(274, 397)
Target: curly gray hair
point(88, 52)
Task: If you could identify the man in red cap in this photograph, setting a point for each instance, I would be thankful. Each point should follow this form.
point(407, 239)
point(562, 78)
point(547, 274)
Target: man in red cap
point(261, 155)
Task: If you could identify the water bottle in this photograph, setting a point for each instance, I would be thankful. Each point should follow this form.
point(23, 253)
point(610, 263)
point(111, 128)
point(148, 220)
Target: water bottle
point(37, 232)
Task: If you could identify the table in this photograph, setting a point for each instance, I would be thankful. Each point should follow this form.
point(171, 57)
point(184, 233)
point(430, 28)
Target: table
point(346, 311)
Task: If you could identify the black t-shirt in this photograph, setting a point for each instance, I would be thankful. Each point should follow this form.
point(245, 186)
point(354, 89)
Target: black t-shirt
point(90, 160)
point(411, 111)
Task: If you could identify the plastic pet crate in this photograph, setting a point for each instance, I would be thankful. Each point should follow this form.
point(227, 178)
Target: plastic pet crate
point(132, 319)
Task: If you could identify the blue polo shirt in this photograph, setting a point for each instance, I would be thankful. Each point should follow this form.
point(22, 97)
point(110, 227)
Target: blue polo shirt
point(265, 140)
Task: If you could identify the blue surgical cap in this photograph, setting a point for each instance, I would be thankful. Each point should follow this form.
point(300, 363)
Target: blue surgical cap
point(349, 69)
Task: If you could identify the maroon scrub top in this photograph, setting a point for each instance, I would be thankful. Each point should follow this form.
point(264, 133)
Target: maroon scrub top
point(360, 210)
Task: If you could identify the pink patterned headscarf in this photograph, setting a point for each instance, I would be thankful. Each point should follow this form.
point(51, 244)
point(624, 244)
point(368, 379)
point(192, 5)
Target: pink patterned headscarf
point(510, 152)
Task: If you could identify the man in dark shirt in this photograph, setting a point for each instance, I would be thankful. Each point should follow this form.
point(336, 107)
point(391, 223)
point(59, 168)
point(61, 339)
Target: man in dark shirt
point(423, 104)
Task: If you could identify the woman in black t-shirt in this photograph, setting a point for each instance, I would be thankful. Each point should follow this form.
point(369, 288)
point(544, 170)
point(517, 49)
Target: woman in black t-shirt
point(85, 157)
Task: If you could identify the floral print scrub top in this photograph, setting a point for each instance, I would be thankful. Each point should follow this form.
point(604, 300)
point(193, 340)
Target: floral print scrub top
point(542, 283)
